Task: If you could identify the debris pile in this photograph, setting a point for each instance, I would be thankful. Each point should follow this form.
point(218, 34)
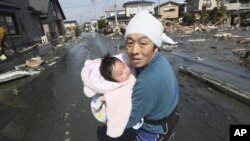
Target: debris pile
point(34, 62)
point(16, 74)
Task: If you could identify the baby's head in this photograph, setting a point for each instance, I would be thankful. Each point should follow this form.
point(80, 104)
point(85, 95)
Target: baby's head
point(113, 69)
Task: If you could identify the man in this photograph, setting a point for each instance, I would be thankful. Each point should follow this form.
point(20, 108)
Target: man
point(155, 93)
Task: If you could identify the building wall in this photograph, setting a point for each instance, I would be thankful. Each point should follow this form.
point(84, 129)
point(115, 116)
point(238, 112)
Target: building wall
point(53, 16)
point(27, 25)
point(132, 9)
point(196, 5)
point(169, 11)
point(112, 13)
point(69, 25)
point(46, 30)
point(41, 5)
point(212, 4)
point(192, 5)
point(54, 19)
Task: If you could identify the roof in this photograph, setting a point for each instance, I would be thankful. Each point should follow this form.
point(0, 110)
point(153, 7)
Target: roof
point(42, 7)
point(8, 4)
point(32, 9)
point(171, 2)
point(137, 2)
point(73, 21)
point(60, 9)
point(124, 17)
point(119, 17)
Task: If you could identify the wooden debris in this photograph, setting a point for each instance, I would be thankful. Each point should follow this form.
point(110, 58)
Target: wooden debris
point(223, 35)
point(34, 62)
point(240, 51)
point(214, 47)
point(243, 41)
point(197, 40)
point(15, 74)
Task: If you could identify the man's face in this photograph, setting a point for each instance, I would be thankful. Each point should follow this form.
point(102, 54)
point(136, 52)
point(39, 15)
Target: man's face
point(120, 71)
point(140, 49)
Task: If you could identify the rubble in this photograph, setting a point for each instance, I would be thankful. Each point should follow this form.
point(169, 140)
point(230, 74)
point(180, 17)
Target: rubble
point(21, 66)
point(240, 52)
point(3, 57)
point(223, 35)
point(52, 63)
point(215, 47)
point(199, 58)
point(197, 40)
point(29, 48)
point(15, 74)
point(34, 62)
point(243, 54)
point(176, 27)
point(243, 41)
point(169, 48)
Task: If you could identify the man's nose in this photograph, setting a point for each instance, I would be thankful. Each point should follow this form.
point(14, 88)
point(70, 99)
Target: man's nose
point(135, 48)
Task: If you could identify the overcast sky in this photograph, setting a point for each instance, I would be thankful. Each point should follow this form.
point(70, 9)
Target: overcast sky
point(85, 10)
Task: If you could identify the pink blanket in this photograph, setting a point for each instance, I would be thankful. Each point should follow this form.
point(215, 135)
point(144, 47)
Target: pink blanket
point(117, 95)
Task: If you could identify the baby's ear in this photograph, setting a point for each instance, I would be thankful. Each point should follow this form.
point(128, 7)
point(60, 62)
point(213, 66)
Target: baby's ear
point(88, 92)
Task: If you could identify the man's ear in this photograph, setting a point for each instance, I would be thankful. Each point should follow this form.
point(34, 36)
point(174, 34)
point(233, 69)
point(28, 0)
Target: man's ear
point(156, 49)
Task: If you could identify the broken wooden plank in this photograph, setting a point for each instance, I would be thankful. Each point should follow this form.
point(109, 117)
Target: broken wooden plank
point(15, 74)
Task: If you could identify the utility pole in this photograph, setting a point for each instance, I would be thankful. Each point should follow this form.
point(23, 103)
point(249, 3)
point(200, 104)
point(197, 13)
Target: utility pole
point(159, 7)
point(93, 1)
point(115, 14)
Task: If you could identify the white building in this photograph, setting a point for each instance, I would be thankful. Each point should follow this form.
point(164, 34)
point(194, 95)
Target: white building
point(70, 24)
point(110, 11)
point(133, 7)
point(196, 5)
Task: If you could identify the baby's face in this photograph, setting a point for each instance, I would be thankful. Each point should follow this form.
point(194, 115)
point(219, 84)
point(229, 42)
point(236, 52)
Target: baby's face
point(120, 72)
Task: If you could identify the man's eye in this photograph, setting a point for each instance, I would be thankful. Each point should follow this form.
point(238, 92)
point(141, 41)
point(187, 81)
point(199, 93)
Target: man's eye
point(130, 43)
point(143, 43)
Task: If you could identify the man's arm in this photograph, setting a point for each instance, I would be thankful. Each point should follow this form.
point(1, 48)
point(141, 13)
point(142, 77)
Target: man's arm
point(141, 102)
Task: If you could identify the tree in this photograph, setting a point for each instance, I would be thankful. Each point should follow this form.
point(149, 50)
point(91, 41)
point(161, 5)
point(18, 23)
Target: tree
point(204, 14)
point(77, 31)
point(188, 18)
point(102, 23)
point(213, 15)
point(217, 14)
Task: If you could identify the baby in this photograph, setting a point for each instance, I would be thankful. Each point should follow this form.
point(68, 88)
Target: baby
point(109, 81)
point(113, 69)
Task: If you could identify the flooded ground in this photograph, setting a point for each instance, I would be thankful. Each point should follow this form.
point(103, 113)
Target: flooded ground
point(52, 107)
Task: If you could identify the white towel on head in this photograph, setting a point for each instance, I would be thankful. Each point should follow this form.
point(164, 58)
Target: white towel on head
point(168, 40)
point(145, 23)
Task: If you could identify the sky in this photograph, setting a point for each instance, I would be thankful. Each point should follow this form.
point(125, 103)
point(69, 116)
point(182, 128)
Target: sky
point(85, 10)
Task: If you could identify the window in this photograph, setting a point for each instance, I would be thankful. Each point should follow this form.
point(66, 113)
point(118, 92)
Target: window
point(207, 3)
point(169, 9)
point(9, 23)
